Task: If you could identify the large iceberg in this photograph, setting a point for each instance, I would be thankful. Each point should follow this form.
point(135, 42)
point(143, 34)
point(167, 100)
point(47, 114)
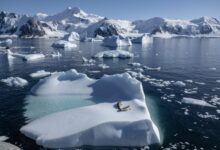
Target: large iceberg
point(99, 124)
point(114, 54)
point(114, 41)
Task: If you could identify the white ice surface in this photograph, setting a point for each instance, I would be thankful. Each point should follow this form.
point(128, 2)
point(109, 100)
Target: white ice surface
point(99, 124)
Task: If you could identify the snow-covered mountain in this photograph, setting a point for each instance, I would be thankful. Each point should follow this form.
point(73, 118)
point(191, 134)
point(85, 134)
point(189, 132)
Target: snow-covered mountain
point(201, 26)
point(24, 26)
point(73, 19)
point(90, 25)
point(108, 27)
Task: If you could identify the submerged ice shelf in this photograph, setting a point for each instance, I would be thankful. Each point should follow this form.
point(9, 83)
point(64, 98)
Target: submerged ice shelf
point(100, 123)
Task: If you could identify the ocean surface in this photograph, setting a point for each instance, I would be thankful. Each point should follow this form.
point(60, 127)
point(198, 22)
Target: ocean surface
point(194, 61)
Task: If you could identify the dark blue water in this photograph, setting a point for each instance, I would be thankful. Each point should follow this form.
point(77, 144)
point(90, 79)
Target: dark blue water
point(180, 59)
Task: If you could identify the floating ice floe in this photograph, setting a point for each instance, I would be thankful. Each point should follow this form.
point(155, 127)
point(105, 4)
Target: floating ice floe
point(114, 54)
point(135, 64)
point(114, 41)
point(56, 54)
point(103, 66)
point(179, 84)
point(152, 69)
point(25, 57)
point(207, 115)
point(15, 81)
point(145, 39)
point(191, 91)
point(40, 74)
point(198, 102)
point(99, 124)
point(218, 81)
point(213, 69)
point(64, 44)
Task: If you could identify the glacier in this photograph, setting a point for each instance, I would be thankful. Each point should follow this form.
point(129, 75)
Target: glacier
point(107, 127)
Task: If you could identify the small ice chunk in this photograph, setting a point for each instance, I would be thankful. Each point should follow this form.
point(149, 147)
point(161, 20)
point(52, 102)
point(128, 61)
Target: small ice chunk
point(192, 101)
point(15, 81)
point(207, 115)
point(213, 69)
point(114, 54)
point(57, 54)
point(135, 64)
point(152, 69)
point(189, 81)
point(179, 84)
point(64, 44)
point(103, 66)
point(218, 81)
point(40, 74)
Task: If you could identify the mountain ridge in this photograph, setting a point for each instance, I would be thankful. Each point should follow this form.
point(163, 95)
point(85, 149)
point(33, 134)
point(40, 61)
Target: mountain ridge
point(74, 19)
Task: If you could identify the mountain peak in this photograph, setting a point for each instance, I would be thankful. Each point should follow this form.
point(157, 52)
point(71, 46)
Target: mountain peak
point(74, 10)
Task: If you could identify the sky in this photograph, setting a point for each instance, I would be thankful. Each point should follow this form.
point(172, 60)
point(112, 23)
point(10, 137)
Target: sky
point(120, 9)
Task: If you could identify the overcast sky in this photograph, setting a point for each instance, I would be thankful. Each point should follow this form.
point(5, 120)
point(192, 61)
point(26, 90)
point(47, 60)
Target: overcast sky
point(120, 9)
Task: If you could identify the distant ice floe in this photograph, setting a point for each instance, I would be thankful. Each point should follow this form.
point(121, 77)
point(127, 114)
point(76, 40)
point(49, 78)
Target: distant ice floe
point(25, 57)
point(114, 54)
point(103, 66)
point(135, 64)
point(179, 84)
point(115, 41)
point(40, 74)
point(207, 116)
point(15, 81)
point(213, 69)
point(56, 54)
point(198, 102)
point(191, 91)
point(152, 69)
point(64, 44)
point(107, 127)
